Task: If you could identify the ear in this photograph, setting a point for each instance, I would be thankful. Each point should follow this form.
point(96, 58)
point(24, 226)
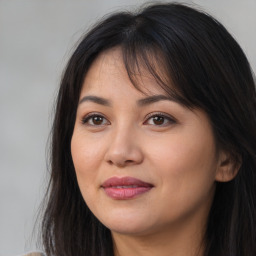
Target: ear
point(228, 167)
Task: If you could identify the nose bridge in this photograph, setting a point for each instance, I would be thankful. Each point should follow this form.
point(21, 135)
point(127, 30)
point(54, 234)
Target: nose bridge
point(124, 147)
point(124, 132)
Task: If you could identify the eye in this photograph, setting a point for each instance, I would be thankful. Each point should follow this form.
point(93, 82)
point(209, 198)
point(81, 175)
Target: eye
point(160, 119)
point(95, 120)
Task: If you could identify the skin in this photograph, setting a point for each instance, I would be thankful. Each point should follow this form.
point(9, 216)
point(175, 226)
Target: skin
point(177, 155)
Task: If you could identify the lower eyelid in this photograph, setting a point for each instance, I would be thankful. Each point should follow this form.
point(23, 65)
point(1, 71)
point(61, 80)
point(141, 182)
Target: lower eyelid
point(166, 122)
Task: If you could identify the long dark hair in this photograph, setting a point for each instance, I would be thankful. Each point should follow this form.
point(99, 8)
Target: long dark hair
point(208, 70)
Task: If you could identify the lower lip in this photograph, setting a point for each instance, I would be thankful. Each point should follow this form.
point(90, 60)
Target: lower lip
point(125, 193)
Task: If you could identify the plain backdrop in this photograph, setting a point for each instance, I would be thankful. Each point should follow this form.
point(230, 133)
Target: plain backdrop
point(36, 39)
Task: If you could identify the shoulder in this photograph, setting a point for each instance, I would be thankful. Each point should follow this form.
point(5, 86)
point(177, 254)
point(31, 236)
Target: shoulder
point(33, 254)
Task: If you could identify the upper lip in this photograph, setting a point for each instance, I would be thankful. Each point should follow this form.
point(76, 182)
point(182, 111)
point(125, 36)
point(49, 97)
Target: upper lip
point(124, 181)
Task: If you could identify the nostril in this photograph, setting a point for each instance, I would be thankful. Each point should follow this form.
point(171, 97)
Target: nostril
point(121, 155)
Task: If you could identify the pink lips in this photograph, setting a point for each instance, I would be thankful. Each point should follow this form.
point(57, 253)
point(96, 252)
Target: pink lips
point(125, 187)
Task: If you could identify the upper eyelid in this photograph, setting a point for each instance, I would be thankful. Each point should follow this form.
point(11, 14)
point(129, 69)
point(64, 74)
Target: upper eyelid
point(93, 113)
point(168, 116)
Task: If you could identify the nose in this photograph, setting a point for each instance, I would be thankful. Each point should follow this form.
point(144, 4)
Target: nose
point(124, 148)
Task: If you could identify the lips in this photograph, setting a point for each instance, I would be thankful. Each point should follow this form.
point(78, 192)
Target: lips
point(125, 187)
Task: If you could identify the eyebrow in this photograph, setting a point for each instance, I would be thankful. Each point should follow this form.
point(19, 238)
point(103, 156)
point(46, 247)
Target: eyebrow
point(155, 98)
point(141, 102)
point(95, 99)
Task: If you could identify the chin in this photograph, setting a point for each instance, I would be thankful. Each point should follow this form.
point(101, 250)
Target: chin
point(129, 229)
point(126, 223)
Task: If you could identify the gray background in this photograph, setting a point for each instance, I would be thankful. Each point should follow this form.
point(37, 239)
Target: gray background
point(36, 39)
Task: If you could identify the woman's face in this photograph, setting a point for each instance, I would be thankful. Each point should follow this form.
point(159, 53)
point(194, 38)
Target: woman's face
point(143, 162)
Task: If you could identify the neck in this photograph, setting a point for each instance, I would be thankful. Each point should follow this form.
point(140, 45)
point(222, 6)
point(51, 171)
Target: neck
point(180, 242)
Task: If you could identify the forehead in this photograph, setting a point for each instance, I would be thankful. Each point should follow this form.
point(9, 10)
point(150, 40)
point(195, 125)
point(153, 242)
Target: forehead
point(109, 69)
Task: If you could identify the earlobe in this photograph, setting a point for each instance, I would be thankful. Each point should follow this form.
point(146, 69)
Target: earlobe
point(228, 167)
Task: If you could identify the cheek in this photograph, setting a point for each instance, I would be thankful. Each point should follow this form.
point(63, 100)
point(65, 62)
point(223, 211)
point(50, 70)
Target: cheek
point(86, 150)
point(87, 158)
point(183, 153)
point(186, 164)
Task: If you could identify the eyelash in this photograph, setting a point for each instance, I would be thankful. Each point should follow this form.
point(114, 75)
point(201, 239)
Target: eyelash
point(87, 118)
point(168, 118)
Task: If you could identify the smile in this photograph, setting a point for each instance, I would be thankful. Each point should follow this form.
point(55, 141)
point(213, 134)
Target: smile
point(125, 188)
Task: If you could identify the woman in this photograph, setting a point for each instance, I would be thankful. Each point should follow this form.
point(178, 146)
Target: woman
point(154, 141)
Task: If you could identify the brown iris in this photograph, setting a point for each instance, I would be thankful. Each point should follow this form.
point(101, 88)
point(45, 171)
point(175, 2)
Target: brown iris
point(158, 120)
point(97, 120)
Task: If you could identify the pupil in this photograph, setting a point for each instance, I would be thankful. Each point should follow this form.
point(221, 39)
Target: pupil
point(97, 120)
point(158, 120)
